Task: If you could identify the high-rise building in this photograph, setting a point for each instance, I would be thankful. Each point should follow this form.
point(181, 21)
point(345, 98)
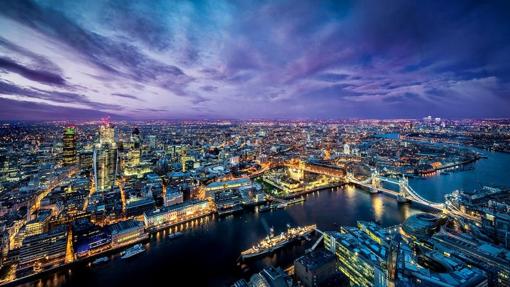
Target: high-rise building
point(69, 146)
point(135, 138)
point(106, 134)
point(105, 160)
point(134, 153)
point(152, 141)
point(105, 163)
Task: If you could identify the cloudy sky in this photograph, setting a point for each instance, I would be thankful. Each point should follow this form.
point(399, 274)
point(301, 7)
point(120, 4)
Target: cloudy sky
point(254, 59)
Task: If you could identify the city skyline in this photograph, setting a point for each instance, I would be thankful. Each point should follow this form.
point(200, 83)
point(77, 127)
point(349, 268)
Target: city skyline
point(253, 60)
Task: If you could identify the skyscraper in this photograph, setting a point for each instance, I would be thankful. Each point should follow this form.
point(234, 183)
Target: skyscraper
point(106, 134)
point(135, 152)
point(69, 146)
point(135, 138)
point(105, 159)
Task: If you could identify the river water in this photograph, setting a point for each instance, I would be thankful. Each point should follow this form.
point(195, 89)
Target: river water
point(207, 254)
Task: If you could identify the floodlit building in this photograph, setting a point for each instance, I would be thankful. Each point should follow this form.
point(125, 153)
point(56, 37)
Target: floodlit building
point(127, 232)
point(69, 152)
point(105, 160)
point(43, 250)
point(178, 213)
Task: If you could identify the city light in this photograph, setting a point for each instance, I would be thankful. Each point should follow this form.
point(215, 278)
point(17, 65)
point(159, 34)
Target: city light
point(255, 143)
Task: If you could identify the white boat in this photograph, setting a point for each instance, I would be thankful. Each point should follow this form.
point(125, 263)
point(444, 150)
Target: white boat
point(281, 205)
point(175, 235)
point(100, 260)
point(130, 252)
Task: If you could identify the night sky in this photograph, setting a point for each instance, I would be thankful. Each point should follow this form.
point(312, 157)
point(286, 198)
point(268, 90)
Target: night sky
point(254, 59)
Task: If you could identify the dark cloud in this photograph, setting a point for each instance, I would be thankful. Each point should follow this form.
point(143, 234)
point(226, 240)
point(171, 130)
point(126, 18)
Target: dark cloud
point(116, 57)
point(54, 96)
point(125, 96)
point(34, 75)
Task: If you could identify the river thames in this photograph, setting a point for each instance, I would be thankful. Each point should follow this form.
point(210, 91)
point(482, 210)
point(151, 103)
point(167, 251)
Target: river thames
point(210, 249)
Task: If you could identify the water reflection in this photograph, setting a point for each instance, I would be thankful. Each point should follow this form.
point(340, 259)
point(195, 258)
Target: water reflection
point(377, 206)
point(404, 210)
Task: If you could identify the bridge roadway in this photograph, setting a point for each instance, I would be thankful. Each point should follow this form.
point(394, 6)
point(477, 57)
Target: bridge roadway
point(381, 189)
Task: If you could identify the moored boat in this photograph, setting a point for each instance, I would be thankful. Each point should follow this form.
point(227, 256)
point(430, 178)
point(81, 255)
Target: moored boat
point(273, 242)
point(100, 260)
point(132, 251)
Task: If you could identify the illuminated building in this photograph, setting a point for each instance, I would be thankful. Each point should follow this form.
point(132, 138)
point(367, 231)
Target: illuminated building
point(138, 205)
point(106, 134)
point(40, 224)
point(173, 197)
point(419, 227)
point(136, 139)
point(105, 160)
point(178, 213)
point(360, 258)
point(134, 157)
point(43, 250)
point(433, 268)
point(492, 259)
point(127, 232)
point(135, 152)
point(93, 244)
point(228, 184)
point(85, 159)
point(152, 141)
point(89, 239)
point(187, 163)
point(347, 149)
point(69, 146)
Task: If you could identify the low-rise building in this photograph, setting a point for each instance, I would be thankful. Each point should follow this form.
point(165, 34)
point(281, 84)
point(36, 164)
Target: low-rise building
point(173, 197)
point(127, 232)
point(43, 250)
point(178, 213)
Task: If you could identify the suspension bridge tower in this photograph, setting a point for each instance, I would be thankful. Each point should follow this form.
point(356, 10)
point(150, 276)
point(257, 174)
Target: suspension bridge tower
point(375, 182)
point(403, 196)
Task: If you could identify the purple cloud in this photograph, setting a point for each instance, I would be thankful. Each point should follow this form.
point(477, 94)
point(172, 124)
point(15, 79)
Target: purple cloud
point(284, 59)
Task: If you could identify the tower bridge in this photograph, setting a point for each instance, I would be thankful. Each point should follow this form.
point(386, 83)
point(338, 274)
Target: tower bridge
point(405, 193)
point(373, 183)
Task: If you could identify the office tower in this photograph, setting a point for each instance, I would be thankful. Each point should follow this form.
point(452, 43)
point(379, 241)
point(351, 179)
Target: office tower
point(152, 141)
point(70, 146)
point(106, 134)
point(135, 138)
point(135, 153)
point(362, 255)
point(105, 160)
point(85, 159)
